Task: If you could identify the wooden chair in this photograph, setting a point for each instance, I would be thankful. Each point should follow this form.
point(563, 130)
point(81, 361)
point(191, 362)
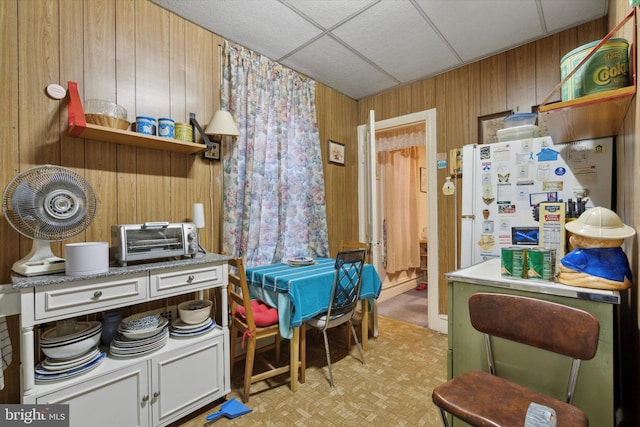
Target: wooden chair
point(481, 398)
point(253, 320)
point(350, 245)
point(345, 294)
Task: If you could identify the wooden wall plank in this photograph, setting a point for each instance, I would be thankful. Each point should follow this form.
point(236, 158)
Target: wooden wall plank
point(521, 78)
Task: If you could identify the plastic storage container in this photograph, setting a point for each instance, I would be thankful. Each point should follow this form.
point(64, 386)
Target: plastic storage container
point(518, 132)
point(520, 119)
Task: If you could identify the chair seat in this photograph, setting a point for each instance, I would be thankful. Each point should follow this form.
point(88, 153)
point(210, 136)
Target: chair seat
point(482, 399)
point(320, 321)
point(263, 314)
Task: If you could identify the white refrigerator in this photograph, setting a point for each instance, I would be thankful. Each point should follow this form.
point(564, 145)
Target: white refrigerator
point(506, 186)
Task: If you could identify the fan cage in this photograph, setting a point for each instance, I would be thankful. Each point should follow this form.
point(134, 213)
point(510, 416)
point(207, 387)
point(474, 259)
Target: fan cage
point(49, 203)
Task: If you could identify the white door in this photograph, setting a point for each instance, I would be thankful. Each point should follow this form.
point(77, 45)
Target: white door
point(368, 199)
point(368, 203)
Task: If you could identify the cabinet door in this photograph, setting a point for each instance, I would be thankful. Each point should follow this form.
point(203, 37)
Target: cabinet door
point(119, 398)
point(185, 380)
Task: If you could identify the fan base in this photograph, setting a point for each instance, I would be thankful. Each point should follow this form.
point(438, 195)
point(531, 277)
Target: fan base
point(38, 268)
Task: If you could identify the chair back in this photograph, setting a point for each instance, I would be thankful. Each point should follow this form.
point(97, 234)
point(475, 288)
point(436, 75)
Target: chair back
point(238, 291)
point(542, 324)
point(346, 245)
point(346, 283)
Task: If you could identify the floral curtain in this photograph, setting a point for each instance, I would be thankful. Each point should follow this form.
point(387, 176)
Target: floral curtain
point(274, 200)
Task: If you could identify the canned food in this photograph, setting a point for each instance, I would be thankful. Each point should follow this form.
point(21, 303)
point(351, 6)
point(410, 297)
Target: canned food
point(513, 261)
point(541, 263)
point(184, 132)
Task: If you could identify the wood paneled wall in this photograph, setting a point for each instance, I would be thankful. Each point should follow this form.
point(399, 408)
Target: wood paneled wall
point(516, 80)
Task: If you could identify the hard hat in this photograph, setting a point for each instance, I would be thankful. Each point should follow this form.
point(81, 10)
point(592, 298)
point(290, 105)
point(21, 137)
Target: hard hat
point(600, 223)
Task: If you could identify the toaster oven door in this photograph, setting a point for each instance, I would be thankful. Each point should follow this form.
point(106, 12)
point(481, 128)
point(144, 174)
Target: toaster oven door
point(146, 243)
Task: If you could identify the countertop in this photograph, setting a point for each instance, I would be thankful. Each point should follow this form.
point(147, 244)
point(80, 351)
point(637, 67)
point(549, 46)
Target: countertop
point(19, 281)
point(488, 273)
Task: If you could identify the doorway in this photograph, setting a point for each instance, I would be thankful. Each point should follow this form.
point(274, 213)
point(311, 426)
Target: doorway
point(371, 227)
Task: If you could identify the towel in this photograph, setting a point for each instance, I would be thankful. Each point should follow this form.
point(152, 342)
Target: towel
point(5, 349)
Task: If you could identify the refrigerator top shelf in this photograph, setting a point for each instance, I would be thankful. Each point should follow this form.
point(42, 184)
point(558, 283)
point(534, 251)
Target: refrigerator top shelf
point(488, 273)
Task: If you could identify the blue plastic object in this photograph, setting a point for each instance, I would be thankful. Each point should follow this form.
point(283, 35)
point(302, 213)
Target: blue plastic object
point(230, 409)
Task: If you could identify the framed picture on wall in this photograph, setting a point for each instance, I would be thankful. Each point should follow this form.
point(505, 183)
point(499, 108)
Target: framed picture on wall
point(336, 153)
point(488, 126)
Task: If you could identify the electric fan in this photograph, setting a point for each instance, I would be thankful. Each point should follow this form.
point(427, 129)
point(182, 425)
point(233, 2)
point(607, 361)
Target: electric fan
point(47, 203)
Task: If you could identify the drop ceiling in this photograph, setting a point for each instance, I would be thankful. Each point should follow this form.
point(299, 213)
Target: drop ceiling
point(364, 47)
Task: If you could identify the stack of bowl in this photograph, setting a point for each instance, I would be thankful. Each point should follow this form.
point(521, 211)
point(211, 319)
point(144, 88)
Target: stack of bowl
point(140, 334)
point(195, 319)
point(69, 352)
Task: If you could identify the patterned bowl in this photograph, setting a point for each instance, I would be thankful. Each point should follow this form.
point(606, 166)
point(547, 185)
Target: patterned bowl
point(142, 321)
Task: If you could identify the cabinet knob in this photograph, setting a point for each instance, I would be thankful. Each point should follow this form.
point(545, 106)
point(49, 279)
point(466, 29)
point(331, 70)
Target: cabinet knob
point(97, 294)
point(191, 278)
point(145, 397)
point(156, 394)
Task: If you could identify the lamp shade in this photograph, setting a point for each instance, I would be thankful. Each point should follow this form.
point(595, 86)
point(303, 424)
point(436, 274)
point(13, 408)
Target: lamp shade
point(222, 124)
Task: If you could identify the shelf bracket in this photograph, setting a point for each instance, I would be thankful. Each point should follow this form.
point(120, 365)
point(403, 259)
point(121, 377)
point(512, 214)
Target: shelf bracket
point(77, 121)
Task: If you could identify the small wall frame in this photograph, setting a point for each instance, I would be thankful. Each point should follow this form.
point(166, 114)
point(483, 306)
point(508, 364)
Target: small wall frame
point(336, 153)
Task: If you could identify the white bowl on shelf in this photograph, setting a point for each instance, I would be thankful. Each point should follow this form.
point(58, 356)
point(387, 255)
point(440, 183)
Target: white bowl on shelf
point(194, 311)
point(71, 349)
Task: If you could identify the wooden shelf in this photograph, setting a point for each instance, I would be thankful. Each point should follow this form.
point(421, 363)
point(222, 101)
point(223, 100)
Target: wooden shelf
point(79, 128)
point(123, 137)
point(592, 116)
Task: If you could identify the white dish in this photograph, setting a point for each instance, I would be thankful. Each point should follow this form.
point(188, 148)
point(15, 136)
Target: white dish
point(122, 341)
point(47, 369)
point(179, 324)
point(81, 328)
point(144, 333)
point(116, 351)
point(205, 329)
point(72, 373)
point(62, 365)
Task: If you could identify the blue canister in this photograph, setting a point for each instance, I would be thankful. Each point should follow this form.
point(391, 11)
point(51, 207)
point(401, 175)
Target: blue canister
point(166, 127)
point(146, 125)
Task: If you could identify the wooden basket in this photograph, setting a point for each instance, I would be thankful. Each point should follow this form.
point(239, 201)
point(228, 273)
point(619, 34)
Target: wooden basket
point(107, 121)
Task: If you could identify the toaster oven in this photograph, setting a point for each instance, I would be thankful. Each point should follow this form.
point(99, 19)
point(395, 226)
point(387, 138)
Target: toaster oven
point(152, 241)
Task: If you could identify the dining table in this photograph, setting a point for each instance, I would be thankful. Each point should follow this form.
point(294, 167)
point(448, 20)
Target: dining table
point(300, 292)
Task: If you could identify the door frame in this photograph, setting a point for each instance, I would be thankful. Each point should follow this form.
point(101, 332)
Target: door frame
point(437, 321)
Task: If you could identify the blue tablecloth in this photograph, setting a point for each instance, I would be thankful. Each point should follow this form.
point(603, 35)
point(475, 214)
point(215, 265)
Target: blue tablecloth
point(300, 293)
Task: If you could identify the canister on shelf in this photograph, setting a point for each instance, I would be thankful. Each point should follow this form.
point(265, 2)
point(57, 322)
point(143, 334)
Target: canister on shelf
point(146, 125)
point(184, 132)
point(165, 127)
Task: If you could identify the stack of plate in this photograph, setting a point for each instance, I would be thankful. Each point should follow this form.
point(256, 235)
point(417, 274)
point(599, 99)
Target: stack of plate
point(70, 354)
point(136, 342)
point(300, 261)
point(180, 329)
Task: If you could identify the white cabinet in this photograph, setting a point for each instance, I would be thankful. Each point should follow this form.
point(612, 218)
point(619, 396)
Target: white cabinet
point(155, 389)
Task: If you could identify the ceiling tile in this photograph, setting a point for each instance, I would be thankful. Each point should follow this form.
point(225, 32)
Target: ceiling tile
point(476, 29)
point(399, 40)
point(329, 13)
point(335, 66)
point(560, 15)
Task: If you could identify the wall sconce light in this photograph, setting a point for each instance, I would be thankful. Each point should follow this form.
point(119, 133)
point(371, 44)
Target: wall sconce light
point(221, 124)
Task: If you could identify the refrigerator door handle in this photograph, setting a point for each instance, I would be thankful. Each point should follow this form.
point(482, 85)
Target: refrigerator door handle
point(468, 216)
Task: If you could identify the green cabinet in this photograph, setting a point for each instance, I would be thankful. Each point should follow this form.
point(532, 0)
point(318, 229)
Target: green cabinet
point(540, 370)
